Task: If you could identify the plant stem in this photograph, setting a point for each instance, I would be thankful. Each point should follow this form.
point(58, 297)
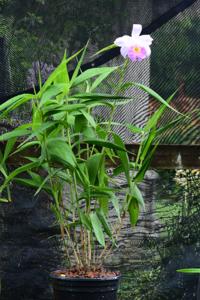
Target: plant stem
point(116, 231)
point(78, 260)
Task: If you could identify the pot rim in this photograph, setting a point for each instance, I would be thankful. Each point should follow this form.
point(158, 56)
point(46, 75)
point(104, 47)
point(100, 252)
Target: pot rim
point(110, 278)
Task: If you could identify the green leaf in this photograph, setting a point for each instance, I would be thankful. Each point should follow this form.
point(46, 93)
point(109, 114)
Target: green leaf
point(60, 151)
point(89, 118)
point(115, 203)
point(169, 125)
point(13, 134)
point(91, 73)
point(122, 155)
point(104, 222)
point(31, 183)
point(43, 185)
point(53, 109)
point(36, 119)
point(100, 79)
point(107, 48)
point(51, 92)
point(82, 176)
point(147, 144)
point(39, 131)
point(103, 143)
point(93, 165)
point(136, 193)
point(85, 220)
point(97, 192)
point(77, 69)
point(155, 95)
point(152, 122)
point(126, 86)
point(135, 129)
point(99, 96)
point(53, 76)
point(94, 103)
point(80, 123)
point(145, 165)
point(118, 170)
point(23, 169)
point(8, 148)
point(19, 170)
point(74, 55)
point(15, 102)
point(26, 182)
point(89, 132)
point(103, 203)
point(4, 200)
point(63, 78)
point(3, 170)
point(23, 146)
point(36, 177)
point(64, 176)
point(133, 210)
point(190, 270)
point(96, 224)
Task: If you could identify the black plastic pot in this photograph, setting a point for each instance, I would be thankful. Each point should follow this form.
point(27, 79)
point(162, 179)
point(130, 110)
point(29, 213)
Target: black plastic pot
point(85, 288)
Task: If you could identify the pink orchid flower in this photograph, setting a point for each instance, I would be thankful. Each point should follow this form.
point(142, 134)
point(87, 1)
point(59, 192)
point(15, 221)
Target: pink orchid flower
point(136, 46)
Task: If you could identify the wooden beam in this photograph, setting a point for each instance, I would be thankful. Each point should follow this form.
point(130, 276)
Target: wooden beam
point(174, 156)
point(166, 156)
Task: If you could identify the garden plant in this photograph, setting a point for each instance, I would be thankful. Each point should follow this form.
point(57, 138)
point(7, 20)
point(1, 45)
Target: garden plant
point(65, 151)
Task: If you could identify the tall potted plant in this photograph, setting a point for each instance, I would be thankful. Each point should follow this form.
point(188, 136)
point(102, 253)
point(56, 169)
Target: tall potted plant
point(65, 152)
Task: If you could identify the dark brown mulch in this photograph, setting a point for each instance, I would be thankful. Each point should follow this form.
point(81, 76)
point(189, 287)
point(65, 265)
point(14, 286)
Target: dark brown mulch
point(82, 273)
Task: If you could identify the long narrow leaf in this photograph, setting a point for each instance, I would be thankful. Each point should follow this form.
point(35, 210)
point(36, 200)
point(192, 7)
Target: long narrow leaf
point(103, 143)
point(16, 100)
point(90, 74)
point(89, 118)
point(123, 156)
point(96, 224)
point(133, 210)
point(93, 166)
point(77, 69)
point(190, 271)
point(115, 203)
point(13, 134)
point(156, 96)
point(19, 170)
point(107, 48)
point(152, 122)
point(137, 194)
point(104, 222)
point(9, 146)
point(141, 173)
point(99, 96)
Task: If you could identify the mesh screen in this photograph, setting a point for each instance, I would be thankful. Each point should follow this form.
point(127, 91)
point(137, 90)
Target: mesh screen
point(173, 66)
point(34, 34)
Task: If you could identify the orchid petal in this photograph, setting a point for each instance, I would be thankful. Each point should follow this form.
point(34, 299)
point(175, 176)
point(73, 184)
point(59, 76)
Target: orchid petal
point(147, 39)
point(122, 41)
point(137, 29)
point(124, 51)
point(148, 51)
point(132, 56)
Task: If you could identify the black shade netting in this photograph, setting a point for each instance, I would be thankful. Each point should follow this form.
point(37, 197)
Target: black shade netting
point(34, 35)
point(172, 67)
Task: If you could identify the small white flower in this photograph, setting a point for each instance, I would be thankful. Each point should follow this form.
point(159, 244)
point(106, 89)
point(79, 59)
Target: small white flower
point(136, 46)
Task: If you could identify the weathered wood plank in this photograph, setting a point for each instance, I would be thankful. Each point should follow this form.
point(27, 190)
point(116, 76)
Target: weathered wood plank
point(174, 156)
point(166, 156)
